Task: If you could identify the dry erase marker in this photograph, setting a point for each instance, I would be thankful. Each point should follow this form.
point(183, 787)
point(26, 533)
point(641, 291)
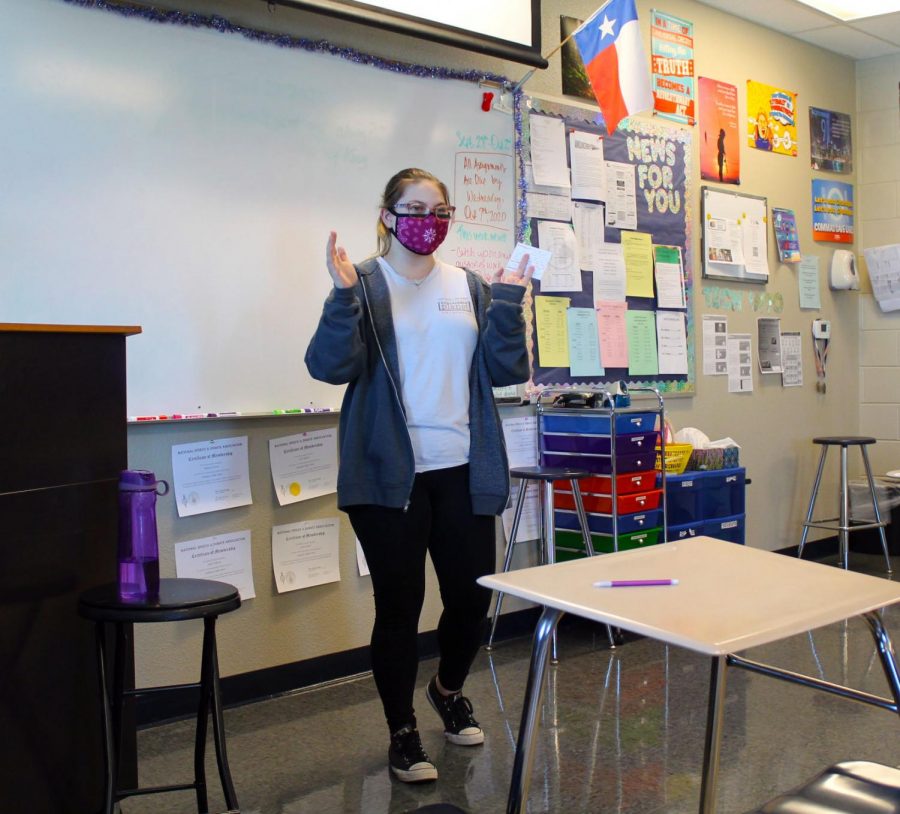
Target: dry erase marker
point(144, 418)
point(194, 415)
point(633, 583)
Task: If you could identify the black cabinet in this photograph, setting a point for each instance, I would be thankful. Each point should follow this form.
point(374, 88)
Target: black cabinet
point(62, 444)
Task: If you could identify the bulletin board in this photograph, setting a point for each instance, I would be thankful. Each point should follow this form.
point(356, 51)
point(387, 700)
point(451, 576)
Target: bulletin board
point(744, 216)
point(664, 201)
point(181, 173)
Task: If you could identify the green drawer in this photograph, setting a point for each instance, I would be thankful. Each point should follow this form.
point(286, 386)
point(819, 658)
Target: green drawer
point(570, 545)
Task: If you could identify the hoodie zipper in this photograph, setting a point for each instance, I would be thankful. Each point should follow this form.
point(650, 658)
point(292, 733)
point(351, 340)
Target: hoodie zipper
point(390, 378)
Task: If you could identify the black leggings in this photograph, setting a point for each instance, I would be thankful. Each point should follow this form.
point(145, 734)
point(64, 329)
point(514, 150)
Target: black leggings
point(440, 520)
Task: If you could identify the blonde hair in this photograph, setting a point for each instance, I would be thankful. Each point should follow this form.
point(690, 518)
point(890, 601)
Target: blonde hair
point(394, 190)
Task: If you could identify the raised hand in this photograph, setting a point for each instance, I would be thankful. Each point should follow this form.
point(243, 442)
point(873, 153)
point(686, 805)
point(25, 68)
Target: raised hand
point(340, 268)
point(521, 275)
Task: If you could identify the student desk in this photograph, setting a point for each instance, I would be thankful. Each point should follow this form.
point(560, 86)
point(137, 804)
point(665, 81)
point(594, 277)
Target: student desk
point(728, 598)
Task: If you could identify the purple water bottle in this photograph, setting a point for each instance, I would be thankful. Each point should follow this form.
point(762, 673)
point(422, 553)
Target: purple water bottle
point(138, 543)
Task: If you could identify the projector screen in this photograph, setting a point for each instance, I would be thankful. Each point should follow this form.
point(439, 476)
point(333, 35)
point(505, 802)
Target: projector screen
point(509, 29)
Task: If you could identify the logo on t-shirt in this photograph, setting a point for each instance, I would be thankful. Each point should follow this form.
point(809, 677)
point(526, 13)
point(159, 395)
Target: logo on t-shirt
point(455, 304)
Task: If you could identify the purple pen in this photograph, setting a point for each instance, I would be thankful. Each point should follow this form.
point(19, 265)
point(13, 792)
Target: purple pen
point(633, 583)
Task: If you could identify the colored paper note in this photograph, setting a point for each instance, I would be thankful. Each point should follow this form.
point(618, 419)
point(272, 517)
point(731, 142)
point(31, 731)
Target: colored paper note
point(671, 339)
point(637, 250)
point(808, 281)
point(613, 337)
point(642, 356)
point(584, 342)
point(552, 331)
point(669, 275)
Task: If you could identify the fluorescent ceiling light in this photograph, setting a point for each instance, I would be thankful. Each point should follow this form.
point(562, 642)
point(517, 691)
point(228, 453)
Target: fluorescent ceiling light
point(854, 9)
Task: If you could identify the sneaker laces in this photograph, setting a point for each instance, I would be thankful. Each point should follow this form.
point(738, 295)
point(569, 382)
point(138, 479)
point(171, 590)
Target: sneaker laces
point(408, 743)
point(460, 712)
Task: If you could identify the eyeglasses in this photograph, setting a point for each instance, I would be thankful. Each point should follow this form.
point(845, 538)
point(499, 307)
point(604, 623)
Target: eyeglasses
point(416, 209)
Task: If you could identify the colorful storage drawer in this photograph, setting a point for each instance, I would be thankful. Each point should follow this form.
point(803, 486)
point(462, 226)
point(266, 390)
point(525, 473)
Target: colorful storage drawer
point(602, 485)
point(599, 444)
point(723, 493)
point(685, 531)
point(600, 464)
point(683, 498)
point(602, 504)
point(570, 545)
point(594, 424)
point(726, 528)
point(603, 523)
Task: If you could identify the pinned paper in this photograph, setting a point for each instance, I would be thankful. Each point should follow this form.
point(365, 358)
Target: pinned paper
point(552, 331)
point(637, 248)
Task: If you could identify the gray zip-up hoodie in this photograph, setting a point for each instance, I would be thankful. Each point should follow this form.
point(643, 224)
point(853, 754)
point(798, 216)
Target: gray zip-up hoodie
point(354, 344)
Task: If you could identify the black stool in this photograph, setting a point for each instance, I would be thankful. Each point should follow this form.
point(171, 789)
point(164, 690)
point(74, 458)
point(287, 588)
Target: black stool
point(852, 787)
point(544, 475)
point(179, 599)
point(844, 523)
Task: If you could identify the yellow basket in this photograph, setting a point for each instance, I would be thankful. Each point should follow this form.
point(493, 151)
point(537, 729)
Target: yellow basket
point(677, 457)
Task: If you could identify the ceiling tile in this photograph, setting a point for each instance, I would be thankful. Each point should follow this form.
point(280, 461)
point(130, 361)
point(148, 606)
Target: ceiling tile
point(845, 40)
point(887, 27)
point(787, 16)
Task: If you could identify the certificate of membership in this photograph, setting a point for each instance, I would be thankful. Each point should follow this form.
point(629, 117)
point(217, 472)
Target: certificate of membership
point(211, 475)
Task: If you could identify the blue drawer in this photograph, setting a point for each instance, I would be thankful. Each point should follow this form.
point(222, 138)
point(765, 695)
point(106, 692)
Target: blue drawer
point(726, 528)
point(599, 444)
point(603, 523)
point(723, 493)
point(593, 424)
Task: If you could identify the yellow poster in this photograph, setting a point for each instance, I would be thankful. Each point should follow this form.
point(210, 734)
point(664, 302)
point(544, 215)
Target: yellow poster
point(771, 118)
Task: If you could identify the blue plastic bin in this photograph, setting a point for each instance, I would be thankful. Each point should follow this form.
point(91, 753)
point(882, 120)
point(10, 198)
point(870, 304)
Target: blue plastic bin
point(684, 532)
point(599, 444)
point(726, 528)
point(600, 464)
point(683, 498)
point(722, 494)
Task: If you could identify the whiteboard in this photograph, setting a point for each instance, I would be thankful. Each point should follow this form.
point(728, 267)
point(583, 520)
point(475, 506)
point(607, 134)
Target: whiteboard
point(185, 180)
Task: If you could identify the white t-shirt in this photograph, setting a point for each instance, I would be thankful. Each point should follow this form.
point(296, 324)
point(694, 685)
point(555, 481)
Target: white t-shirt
point(436, 330)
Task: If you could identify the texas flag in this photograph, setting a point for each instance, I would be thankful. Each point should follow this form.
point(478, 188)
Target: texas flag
point(611, 48)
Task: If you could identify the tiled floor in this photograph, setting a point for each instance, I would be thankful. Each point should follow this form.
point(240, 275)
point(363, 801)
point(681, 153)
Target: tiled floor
point(622, 731)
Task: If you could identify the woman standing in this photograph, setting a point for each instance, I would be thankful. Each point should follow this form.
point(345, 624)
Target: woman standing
point(420, 344)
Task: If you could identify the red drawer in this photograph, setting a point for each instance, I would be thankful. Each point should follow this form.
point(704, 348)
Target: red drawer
point(602, 504)
point(625, 484)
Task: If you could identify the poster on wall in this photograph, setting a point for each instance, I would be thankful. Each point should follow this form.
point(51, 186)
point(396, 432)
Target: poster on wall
point(771, 119)
point(672, 62)
point(575, 80)
point(720, 141)
point(788, 241)
point(829, 139)
point(832, 204)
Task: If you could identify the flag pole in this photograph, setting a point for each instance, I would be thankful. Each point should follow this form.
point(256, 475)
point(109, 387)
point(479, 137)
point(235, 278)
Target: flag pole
point(528, 76)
